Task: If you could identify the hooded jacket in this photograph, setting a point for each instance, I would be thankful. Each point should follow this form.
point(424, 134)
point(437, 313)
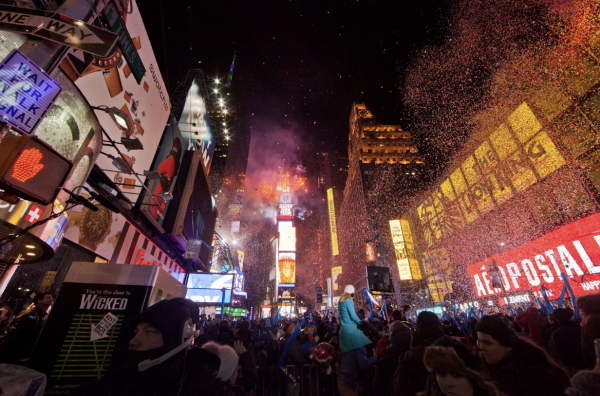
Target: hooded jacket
point(411, 374)
point(534, 324)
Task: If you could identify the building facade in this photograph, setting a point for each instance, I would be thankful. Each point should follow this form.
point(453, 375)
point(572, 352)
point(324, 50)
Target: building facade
point(384, 169)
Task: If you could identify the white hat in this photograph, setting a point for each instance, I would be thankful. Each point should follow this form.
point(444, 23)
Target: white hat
point(229, 363)
point(349, 289)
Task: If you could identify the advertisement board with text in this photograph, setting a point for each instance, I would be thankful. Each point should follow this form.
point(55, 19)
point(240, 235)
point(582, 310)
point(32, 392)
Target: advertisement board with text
point(573, 250)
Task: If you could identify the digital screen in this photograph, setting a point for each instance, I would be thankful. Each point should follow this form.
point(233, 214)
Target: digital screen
point(379, 279)
point(208, 296)
point(287, 269)
point(287, 239)
point(210, 281)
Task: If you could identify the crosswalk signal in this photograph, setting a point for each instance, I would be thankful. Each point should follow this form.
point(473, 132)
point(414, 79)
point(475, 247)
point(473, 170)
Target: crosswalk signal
point(30, 169)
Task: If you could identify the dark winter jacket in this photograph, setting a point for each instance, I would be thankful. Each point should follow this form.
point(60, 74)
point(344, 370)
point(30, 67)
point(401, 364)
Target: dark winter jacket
point(353, 367)
point(411, 374)
point(212, 333)
point(383, 383)
point(294, 356)
point(565, 345)
point(527, 372)
point(248, 375)
point(226, 336)
point(22, 335)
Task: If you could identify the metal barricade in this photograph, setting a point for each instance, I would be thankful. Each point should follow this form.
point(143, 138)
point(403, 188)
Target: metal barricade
point(310, 381)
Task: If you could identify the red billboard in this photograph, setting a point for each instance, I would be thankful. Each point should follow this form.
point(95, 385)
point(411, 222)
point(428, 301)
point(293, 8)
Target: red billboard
point(573, 249)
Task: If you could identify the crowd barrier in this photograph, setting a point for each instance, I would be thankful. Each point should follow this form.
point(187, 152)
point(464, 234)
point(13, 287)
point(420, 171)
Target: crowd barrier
point(311, 380)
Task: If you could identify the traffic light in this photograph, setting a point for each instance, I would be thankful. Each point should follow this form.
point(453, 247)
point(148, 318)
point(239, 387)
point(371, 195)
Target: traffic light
point(30, 169)
point(319, 295)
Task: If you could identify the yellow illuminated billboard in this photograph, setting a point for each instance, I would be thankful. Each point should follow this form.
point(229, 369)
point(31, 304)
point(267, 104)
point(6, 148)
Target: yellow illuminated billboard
point(287, 269)
point(332, 226)
point(415, 268)
point(400, 249)
point(335, 274)
point(513, 158)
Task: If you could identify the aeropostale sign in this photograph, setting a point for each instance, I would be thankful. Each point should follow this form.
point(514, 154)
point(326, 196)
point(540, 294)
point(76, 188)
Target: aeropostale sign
point(573, 250)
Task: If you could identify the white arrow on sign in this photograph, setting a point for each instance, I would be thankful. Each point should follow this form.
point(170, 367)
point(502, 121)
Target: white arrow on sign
point(99, 331)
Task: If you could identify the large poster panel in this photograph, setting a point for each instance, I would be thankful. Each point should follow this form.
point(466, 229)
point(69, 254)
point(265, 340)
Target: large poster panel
point(195, 125)
point(573, 250)
point(68, 338)
point(97, 231)
point(167, 164)
point(111, 82)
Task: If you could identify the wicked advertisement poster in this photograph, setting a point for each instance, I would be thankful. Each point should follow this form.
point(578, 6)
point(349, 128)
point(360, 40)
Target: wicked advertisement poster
point(86, 333)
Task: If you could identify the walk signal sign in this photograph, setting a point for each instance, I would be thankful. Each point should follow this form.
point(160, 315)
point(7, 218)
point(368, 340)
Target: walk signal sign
point(31, 169)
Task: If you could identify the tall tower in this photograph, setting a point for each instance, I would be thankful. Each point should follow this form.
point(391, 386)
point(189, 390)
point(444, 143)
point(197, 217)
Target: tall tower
point(385, 167)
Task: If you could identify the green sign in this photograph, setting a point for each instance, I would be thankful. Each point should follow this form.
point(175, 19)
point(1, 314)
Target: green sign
point(125, 43)
point(233, 311)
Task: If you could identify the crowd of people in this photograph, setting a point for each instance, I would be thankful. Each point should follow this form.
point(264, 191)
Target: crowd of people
point(175, 351)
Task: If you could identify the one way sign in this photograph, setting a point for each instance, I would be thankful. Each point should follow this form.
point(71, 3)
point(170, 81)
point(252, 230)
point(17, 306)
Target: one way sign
point(59, 28)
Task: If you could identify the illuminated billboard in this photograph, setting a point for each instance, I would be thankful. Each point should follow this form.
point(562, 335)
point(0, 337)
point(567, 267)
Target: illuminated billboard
point(332, 225)
point(111, 81)
point(283, 224)
point(287, 239)
point(437, 266)
point(195, 124)
point(286, 269)
point(400, 249)
point(285, 211)
point(573, 250)
point(370, 252)
point(335, 275)
point(514, 157)
point(167, 163)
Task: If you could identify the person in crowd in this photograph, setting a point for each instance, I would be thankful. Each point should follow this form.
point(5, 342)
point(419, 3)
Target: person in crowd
point(517, 365)
point(354, 361)
point(226, 336)
point(23, 333)
point(243, 333)
point(585, 383)
point(565, 341)
point(588, 306)
point(309, 339)
point(212, 333)
point(148, 369)
point(589, 332)
point(5, 315)
point(453, 371)
point(295, 356)
point(381, 348)
point(550, 324)
point(531, 319)
point(411, 374)
point(400, 339)
point(238, 366)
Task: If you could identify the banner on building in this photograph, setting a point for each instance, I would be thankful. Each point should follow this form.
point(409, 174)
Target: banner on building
point(332, 225)
point(370, 252)
point(400, 250)
point(573, 249)
point(335, 276)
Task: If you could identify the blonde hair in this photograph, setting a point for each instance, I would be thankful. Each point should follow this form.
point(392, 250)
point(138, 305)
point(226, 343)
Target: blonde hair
point(345, 296)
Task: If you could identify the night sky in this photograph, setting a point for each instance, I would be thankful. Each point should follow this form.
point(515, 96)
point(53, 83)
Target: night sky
point(300, 64)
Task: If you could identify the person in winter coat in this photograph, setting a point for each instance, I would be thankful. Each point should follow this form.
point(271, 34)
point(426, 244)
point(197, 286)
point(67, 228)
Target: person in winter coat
point(588, 306)
point(309, 339)
point(23, 333)
point(400, 339)
point(243, 333)
point(517, 366)
point(565, 341)
point(585, 383)
point(354, 360)
point(589, 332)
point(534, 324)
point(411, 375)
point(453, 371)
point(295, 356)
point(226, 336)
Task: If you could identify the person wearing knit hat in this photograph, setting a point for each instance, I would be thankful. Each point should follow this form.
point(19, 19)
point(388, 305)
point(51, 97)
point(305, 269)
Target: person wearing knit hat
point(411, 375)
point(453, 371)
point(400, 339)
point(517, 365)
